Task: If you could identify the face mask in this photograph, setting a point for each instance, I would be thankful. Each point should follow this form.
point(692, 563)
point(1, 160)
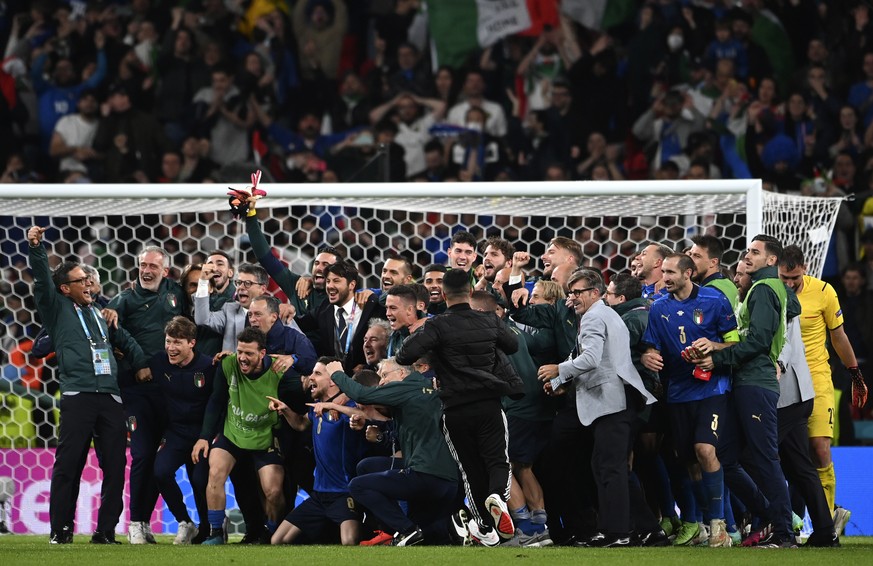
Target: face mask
point(674, 42)
point(475, 126)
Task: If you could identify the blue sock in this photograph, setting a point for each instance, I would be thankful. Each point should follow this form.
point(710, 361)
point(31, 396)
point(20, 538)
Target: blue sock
point(729, 518)
point(271, 526)
point(520, 514)
point(528, 527)
point(665, 498)
point(702, 499)
point(216, 518)
point(685, 499)
point(713, 493)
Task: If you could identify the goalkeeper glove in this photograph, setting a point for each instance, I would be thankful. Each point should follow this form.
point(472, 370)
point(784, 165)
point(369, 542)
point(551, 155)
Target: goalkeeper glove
point(859, 388)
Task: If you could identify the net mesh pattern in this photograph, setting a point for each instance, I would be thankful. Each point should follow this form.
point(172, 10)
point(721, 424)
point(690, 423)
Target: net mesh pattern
point(108, 233)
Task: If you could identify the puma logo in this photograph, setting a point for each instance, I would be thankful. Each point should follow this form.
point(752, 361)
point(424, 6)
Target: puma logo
point(666, 317)
point(756, 417)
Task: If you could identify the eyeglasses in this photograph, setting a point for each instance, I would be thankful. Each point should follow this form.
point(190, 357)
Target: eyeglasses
point(385, 374)
point(246, 284)
point(85, 280)
point(578, 292)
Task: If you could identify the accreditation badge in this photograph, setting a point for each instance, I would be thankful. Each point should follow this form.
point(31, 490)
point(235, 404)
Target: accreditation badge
point(102, 365)
point(199, 380)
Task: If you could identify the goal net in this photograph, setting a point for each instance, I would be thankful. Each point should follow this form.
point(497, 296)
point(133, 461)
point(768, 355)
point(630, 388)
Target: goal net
point(105, 226)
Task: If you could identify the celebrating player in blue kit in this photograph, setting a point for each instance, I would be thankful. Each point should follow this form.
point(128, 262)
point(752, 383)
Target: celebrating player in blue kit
point(185, 378)
point(338, 449)
point(696, 400)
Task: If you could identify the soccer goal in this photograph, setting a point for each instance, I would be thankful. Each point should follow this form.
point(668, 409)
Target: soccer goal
point(106, 225)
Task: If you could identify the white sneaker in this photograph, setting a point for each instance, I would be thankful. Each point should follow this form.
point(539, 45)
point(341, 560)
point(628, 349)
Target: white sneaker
point(135, 533)
point(718, 535)
point(500, 513)
point(147, 531)
point(187, 531)
point(486, 536)
point(841, 519)
point(459, 524)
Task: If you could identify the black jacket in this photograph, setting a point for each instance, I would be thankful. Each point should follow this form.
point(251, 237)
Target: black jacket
point(462, 345)
point(320, 329)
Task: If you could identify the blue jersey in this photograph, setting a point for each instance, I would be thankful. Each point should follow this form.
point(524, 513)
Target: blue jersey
point(338, 449)
point(186, 390)
point(675, 325)
point(650, 294)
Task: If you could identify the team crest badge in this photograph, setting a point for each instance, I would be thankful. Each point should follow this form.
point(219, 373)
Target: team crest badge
point(131, 423)
point(172, 300)
point(698, 317)
point(199, 379)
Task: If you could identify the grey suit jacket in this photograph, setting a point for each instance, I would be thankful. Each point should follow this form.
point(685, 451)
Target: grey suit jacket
point(603, 366)
point(795, 385)
point(230, 320)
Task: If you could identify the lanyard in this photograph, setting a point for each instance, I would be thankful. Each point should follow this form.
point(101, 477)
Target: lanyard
point(85, 326)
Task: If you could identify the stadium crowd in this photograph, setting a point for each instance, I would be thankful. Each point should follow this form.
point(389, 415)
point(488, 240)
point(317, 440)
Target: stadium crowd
point(324, 90)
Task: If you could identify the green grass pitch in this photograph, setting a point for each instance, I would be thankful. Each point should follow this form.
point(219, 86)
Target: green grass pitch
point(18, 550)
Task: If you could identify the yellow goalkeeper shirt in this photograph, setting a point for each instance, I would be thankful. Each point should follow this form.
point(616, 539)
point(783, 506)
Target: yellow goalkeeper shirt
point(820, 313)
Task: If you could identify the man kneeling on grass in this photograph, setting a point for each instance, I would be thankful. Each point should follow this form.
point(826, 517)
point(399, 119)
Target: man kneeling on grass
point(338, 449)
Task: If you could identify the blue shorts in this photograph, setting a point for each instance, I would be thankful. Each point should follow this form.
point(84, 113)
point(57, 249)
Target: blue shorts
point(321, 511)
point(527, 439)
point(260, 458)
point(697, 422)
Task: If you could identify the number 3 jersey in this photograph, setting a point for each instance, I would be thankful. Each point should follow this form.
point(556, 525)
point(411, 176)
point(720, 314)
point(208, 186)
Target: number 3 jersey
point(674, 325)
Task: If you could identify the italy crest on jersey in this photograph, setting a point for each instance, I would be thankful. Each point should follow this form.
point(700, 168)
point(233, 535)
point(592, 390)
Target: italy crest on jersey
point(172, 300)
point(697, 316)
point(199, 379)
point(131, 423)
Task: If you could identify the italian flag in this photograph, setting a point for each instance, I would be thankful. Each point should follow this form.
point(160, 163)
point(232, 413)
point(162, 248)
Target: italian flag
point(459, 28)
point(599, 14)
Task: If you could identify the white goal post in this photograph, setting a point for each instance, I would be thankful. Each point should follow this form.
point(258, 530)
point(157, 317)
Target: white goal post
point(806, 221)
point(106, 225)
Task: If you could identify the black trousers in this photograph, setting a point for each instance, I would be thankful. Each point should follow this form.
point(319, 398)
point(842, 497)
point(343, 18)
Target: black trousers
point(430, 501)
point(609, 462)
point(174, 452)
point(749, 453)
point(797, 465)
point(477, 436)
point(146, 416)
point(85, 416)
point(568, 483)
